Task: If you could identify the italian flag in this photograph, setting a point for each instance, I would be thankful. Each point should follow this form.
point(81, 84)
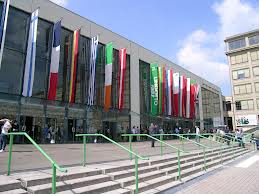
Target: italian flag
point(108, 76)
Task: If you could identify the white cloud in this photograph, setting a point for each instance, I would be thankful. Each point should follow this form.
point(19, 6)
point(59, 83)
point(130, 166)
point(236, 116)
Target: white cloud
point(203, 53)
point(62, 3)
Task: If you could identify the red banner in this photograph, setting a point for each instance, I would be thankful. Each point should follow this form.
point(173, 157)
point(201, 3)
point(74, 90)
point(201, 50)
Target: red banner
point(122, 69)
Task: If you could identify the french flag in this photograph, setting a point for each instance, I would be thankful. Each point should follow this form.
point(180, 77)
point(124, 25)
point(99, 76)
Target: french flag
point(54, 65)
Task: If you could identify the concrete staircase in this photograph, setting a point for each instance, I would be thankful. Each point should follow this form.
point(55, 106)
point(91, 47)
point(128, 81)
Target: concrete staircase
point(156, 175)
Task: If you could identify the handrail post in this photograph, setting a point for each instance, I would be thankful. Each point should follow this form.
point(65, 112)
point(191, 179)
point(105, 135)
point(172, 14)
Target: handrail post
point(204, 154)
point(53, 179)
point(179, 164)
point(161, 145)
point(10, 155)
point(136, 174)
point(84, 141)
point(130, 145)
point(221, 148)
point(182, 142)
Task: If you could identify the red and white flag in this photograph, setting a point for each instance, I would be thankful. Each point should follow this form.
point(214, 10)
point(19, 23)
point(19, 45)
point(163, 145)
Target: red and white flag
point(188, 97)
point(183, 93)
point(122, 68)
point(169, 91)
point(176, 94)
point(54, 63)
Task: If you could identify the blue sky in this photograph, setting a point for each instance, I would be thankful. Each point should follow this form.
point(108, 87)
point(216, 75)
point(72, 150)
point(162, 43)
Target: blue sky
point(189, 34)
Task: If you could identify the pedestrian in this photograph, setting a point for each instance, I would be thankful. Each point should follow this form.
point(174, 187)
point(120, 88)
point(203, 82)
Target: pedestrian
point(7, 124)
point(239, 135)
point(133, 131)
point(138, 132)
point(197, 131)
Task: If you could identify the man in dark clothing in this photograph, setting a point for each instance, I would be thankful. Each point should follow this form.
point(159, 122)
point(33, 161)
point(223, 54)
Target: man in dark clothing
point(153, 129)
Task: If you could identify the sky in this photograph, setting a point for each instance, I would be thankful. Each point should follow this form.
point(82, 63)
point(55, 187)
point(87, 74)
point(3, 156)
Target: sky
point(189, 33)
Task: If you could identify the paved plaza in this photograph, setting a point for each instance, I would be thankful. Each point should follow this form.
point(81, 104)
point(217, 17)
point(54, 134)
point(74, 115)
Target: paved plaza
point(27, 157)
point(233, 178)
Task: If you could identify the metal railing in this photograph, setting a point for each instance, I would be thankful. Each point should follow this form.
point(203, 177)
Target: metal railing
point(55, 166)
point(161, 148)
point(120, 146)
point(181, 138)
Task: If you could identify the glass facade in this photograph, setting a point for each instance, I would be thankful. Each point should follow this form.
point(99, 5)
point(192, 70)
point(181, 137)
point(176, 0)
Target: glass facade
point(211, 108)
point(36, 113)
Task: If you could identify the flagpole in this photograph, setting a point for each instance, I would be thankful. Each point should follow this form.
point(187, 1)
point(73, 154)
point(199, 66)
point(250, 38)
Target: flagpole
point(4, 32)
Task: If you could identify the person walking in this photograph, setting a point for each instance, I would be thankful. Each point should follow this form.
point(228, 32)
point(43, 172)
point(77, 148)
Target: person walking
point(197, 131)
point(3, 137)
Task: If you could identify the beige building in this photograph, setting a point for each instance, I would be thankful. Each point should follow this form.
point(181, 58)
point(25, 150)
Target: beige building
point(242, 51)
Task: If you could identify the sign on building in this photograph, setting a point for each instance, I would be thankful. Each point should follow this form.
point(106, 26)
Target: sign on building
point(246, 120)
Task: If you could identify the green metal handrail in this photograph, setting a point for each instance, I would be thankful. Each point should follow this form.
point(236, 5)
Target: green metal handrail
point(161, 149)
point(120, 146)
point(199, 144)
point(55, 166)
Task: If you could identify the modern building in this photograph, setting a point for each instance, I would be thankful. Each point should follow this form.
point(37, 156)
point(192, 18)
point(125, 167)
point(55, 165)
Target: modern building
point(242, 51)
point(36, 112)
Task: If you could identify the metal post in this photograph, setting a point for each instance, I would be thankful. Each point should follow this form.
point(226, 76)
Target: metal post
point(204, 154)
point(221, 148)
point(136, 174)
point(161, 145)
point(53, 179)
point(130, 145)
point(182, 142)
point(10, 155)
point(84, 141)
point(233, 151)
point(179, 164)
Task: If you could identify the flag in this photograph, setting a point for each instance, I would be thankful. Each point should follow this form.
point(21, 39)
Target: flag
point(91, 83)
point(160, 89)
point(192, 99)
point(122, 69)
point(183, 92)
point(30, 55)
point(54, 61)
point(164, 89)
point(74, 66)
point(176, 94)
point(66, 59)
point(4, 17)
point(108, 76)
point(154, 88)
point(169, 91)
point(188, 97)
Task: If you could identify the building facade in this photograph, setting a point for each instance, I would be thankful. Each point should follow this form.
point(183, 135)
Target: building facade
point(242, 51)
point(36, 112)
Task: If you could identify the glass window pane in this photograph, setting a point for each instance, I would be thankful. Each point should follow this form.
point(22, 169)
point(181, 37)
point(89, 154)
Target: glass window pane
point(237, 44)
point(12, 65)
point(253, 55)
point(253, 40)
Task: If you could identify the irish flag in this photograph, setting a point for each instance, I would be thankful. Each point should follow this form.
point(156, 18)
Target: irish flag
point(108, 76)
point(54, 63)
point(176, 94)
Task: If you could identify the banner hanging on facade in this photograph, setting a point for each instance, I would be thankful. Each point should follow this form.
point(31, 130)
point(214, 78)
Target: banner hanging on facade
point(92, 67)
point(176, 94)
point(160, 89)
point(108, 76)
point(54, 62)
point(122, 68)
point(154, 88)
point(169, 91)
point(246, 120)
point(74, 66)
point(30, 56)
point(188, 97)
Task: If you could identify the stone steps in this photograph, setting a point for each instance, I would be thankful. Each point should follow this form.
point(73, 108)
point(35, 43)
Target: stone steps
point(157, 175)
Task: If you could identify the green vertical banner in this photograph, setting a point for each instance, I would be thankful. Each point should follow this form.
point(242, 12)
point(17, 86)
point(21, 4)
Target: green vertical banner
point(154, 88)
point(145, 88)
point(160, 88)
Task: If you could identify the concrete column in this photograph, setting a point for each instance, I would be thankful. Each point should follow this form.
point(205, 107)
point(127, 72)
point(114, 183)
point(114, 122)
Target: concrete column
point(221, 110)
point(134, 85)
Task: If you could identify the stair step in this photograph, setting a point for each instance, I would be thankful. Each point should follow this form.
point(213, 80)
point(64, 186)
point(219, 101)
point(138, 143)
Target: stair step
point(46, 177)
point(143, 177)
point(94, 189)
point(118, 191)
point(69, 184)
point(15, 191)
point(7, 183)
point(163, 187)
